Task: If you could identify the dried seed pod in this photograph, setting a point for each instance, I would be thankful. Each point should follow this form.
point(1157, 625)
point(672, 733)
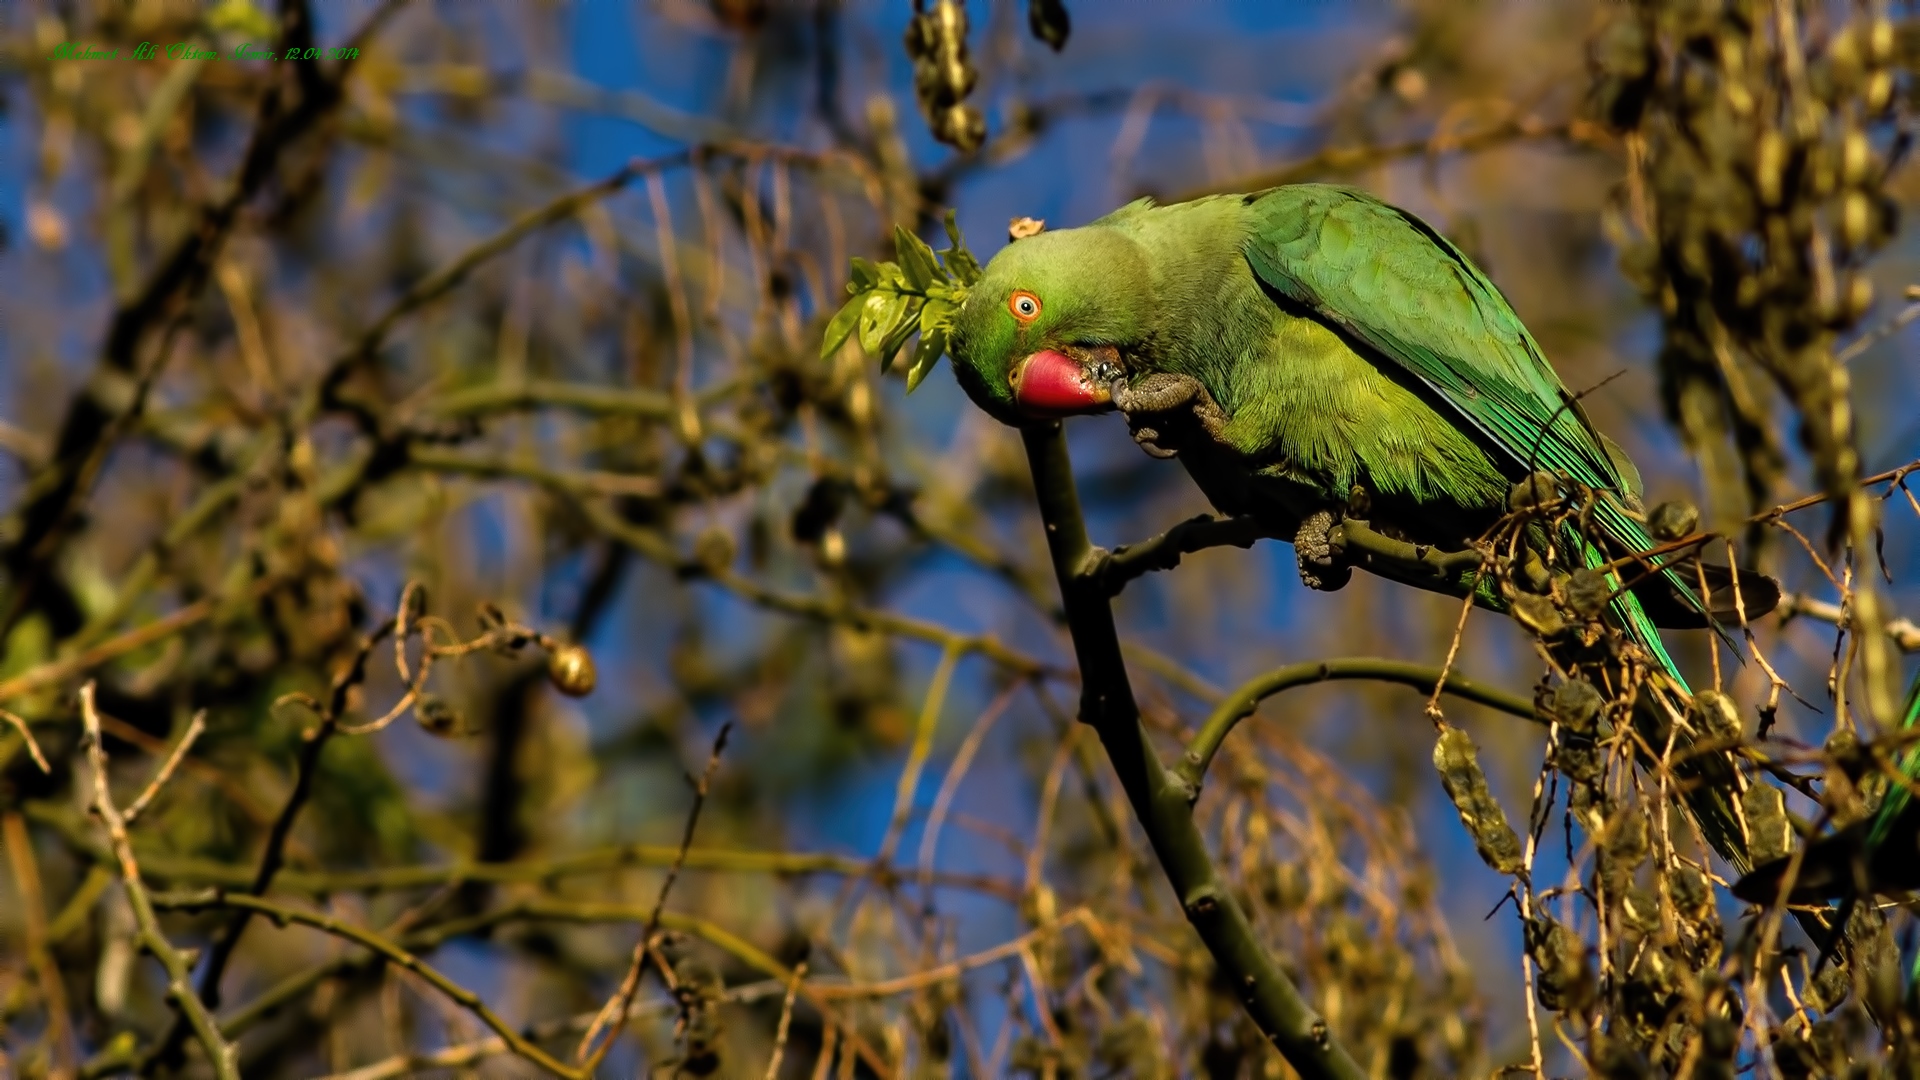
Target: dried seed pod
point(1589, 804)
point(1769, 166)
point(1619, 1059)
point(1642, 910)
point(1564, 983)
point(437, 716)
point(1049, 22)
point(1576, 706)
point(1580, 758)
point(713, 549)
point(1536, 490)
point(1626, 840)
point(1284, 886)
point(1880, 40)
point(1859, 298)
point(1714, 714)
point(1825, 993)
point(1769, 837)
point(943, 75)
point(1624, 59)
point(570, 669)
point(1820, 176)
point(962, 127)
point(1856, 158)
point(1673, 519)
point(826, 496)
point(1692, 897)
point(1466, 785)
point(1844, 59)
point(1587, 592)
point(1538, 615)
point(1879, 92)
point(1856, 218)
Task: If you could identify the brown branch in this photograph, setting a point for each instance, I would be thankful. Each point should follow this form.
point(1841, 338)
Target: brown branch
point(1120, 566)
point(19, 723)
point(386, 950)
point(167, 767)
point(194, 1014)
point(614, 1015)
point(1345, 159)
point(46, 970)
point(1904, 633)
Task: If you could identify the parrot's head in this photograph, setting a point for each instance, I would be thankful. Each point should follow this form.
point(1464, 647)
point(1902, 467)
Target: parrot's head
point(1049, 325)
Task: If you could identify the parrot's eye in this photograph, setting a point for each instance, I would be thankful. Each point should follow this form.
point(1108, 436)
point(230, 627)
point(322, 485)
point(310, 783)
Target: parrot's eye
point(1024, 305)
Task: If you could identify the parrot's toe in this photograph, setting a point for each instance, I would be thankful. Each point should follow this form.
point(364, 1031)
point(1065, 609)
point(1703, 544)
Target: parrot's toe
point(1313, 550)
point(1149, 440)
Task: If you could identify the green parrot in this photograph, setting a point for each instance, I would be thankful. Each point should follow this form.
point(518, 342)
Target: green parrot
point(1313, 355)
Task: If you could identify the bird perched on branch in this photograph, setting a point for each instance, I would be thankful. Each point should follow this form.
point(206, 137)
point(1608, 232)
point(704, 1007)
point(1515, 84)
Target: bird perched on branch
point(1333, 367)
point(1295, 346)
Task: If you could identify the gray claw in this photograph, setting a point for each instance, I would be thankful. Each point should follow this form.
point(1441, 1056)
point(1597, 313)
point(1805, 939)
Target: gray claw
point(1313, 551)
point(1149, 440)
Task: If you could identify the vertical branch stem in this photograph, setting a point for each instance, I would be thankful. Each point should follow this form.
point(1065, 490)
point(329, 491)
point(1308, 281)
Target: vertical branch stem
point(220, 1053)
point(1162, 801)
point(46, 971)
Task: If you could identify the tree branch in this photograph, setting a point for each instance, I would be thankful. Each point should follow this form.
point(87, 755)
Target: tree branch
point(387, 950)
point(1903, 631)
point(1115, 569)
point(194, 1015)
point(1159, 799)
point(1423, 677)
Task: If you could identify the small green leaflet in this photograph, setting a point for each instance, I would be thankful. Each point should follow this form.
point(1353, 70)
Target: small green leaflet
point(893, 301)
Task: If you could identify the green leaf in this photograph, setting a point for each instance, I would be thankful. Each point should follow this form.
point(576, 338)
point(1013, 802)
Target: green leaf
point(936, 314)
point(932, 344)
point(842, 326)
point(916, 259)
point(877, 316)
point(865, 276)
point(897, 335)
point(959, 261)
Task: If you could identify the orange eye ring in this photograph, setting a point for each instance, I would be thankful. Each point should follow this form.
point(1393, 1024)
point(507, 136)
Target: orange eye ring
point(1024, 305)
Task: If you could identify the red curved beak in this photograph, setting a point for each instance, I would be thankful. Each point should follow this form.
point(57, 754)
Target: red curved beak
point(1049, 384)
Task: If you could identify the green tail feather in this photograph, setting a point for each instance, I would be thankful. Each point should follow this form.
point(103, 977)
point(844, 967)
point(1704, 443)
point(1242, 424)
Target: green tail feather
point(1908, 765)
point(1709, 778)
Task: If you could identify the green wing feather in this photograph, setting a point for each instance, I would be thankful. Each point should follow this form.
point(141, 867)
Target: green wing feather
point(1406, 293)
point(1392, 282)
point(1898, 796)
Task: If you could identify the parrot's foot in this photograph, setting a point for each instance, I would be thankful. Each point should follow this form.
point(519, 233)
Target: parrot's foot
point(1152, 406)
point(1320, 567)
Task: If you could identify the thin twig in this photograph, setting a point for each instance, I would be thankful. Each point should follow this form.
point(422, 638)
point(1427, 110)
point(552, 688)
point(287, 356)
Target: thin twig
point(614, 1015)
point(195, 1015)
point(33, 748)
point(950, 786)
point(923, 732)
point(1904, 632)
point(389, 951)
point(1243, 702)
point(471, 1053)
point(198, 725)
point(786, 1019)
